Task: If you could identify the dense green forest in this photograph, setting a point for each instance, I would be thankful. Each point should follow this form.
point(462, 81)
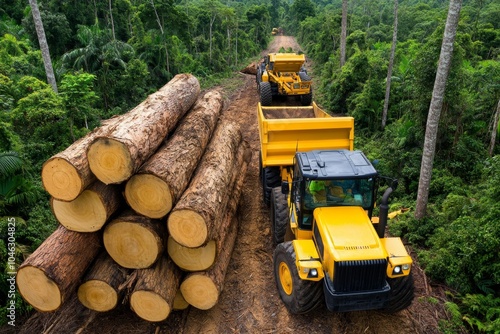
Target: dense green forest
point(109, 55)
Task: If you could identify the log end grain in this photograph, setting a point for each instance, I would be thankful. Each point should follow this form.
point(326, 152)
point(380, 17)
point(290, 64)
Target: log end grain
point(131, 245)
point(98, 296)
point(37, 289)
point(61, 179)
point(149, 306)
point(86, 213)
point(192, 259)
point(179, 302)
point(110, 160)
point(200, 291)
point(188, 228)
point(148, 195)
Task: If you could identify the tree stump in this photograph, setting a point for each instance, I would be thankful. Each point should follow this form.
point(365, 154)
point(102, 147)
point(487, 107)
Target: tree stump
point(90, 210)
point(114, 157)
point(202, 289)
point(155, 290)
point(48, 276)
point(67, 174)
point(100, 290)
point(190, 222)
point(134, 241)
point(160, 182)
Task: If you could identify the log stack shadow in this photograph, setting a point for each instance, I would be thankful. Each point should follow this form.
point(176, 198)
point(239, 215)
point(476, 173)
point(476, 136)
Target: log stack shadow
point(147, 210)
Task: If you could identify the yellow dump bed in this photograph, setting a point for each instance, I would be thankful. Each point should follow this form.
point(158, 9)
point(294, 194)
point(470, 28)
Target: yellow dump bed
point(286, 130)
point(287, 62)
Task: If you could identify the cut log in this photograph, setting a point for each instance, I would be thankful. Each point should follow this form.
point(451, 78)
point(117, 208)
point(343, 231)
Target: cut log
point(90, 210)
point(179, 302)
point(202, 289)
point(49, 275)
point(192, 259)
point(67, 174)
point(134, 241)
point(250, 69)
point(191, 220)
point(202, 258)
point(159, 183)
point(113, 158)
point(155, 290)
point(100, 288)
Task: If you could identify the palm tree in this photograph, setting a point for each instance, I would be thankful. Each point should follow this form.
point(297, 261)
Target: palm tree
point(435, 107)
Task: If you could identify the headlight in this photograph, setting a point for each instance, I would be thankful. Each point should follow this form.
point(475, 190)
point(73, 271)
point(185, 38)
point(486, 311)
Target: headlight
point(313, 273)
point(406, 266)
point(396, 270)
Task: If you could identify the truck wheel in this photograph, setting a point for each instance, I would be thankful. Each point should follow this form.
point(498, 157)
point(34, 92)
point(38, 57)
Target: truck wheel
point(306, 99)
point(299, 296)
point(266, 94)
point(401, 294)
point(279, 215)
point(270, 178)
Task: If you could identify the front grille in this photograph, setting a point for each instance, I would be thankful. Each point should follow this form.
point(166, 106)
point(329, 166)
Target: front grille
point(363, 275)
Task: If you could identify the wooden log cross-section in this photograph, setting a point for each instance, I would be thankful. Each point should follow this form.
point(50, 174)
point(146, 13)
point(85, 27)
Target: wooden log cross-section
point(190, 222)
point(159, 183)
point(51, 274)
point(67, 174)
point(134, 241)
point(116, 156)
point(202, 258)
point(90, 210)
point(100, 290)
point(155, 290)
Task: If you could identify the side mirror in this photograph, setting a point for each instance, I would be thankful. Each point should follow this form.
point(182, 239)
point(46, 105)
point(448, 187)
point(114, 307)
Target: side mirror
point(284, 187)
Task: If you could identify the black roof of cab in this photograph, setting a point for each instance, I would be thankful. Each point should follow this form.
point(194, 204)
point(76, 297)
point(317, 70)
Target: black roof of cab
point(329, 164)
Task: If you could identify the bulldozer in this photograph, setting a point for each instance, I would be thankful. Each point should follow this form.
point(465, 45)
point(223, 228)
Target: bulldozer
point(330, 247)
point(283, 74)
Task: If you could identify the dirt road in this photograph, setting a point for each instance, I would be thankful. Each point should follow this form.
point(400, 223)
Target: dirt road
point(249, 302)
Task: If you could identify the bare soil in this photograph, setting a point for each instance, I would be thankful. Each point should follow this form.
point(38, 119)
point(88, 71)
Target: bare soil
point(249, 302)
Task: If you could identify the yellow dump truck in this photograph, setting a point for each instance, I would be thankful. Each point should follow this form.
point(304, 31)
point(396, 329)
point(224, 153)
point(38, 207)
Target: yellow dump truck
point(330, 249)
point(283, 74)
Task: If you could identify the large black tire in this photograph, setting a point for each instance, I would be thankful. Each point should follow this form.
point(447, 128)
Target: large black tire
point(270, 178)
point(401, 295)
point(266, 94)
point(279, 215)
point(306, 99)
point(299, 296)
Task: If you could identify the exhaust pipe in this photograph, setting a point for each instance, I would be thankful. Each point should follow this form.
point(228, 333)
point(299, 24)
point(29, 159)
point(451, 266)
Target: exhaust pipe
point(384, 209)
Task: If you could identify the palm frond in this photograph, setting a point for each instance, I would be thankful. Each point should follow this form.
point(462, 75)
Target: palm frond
point(10, 163)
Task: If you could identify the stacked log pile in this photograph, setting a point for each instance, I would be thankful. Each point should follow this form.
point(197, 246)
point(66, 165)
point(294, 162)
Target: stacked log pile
point(147, 209)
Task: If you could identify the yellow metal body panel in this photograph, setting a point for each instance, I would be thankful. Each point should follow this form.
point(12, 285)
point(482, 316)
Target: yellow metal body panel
point(287, 62)
point(347, 234)
point(306, 259)
point(280, 138)
point(398, 256)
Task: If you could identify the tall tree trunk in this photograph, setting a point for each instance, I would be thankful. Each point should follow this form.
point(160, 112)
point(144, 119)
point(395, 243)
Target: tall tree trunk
point(343, 34)
point(391, 65)
point(436, 106)
point(44, 47)
point(111, 18)
point(494, 129)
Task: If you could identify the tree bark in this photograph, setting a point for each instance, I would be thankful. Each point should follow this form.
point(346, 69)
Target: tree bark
point(100, 290)
point(391, 65)
point(90, 210)
point(66, 174)
point(134, 241)
point(191, 221)
point(154, 293)
point(157, 186)
point(51, 274)
point(436, 106)
point(202, 289)
point(202, 258)
point(113, 158)
point(494, 130)
point(44, 47)
point(343, 33)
